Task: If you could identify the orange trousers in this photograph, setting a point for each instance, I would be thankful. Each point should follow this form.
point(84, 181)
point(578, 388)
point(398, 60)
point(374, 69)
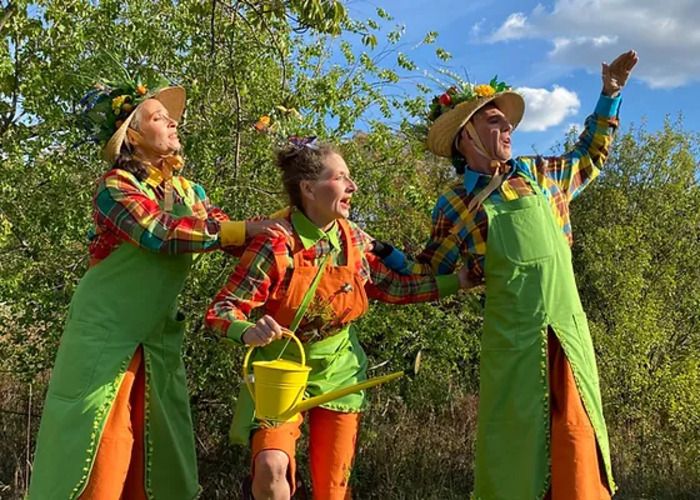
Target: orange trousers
point(118, 469)
point(577, 471)
point(332, 440)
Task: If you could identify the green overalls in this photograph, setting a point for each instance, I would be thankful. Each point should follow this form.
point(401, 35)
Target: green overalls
point(530, 287)
point(128, 299)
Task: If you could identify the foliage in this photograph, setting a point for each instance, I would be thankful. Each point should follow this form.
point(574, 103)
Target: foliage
point(635, 254)
point(637, 243)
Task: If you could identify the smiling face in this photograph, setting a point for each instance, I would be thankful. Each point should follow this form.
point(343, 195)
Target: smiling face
point(329, 197)
point(494, 131)
point(156, 132)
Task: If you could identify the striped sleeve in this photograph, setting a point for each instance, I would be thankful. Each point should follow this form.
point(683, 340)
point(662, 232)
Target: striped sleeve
point(213, 212)
point(248, 287)
point(441, 254)
point(123, 207)
point(575, 170)
point(388, 285)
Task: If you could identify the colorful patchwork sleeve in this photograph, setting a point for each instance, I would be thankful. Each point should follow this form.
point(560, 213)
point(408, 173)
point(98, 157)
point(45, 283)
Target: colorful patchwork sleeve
point(388, 285)
point(213, 212)
point(447, 245)
point(575, 170)
point(248, 287)
point(442, 251)
point(392, 257)
point(121, 206)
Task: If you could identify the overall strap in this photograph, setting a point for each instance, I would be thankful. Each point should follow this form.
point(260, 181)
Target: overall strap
point(305, 301)
point(309, 295)
point(528, 176)
point(353, 253)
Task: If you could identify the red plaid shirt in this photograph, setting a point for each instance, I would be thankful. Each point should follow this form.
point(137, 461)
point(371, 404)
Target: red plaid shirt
point(256, 277)
point(128, 210)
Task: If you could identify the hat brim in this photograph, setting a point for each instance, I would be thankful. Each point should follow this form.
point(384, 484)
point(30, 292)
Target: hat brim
point(172, 98)
point(443, 132)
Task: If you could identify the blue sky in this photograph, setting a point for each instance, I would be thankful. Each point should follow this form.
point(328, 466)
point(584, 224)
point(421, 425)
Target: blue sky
point(552, 51)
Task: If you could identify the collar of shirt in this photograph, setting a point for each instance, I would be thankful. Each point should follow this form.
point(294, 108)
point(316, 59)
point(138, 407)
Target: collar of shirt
point(310, 234)
point(472, 177)
point(155, 176)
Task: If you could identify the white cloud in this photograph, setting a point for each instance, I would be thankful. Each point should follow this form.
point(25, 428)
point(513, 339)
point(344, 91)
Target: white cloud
point(547, 108)
point(587, 32)
point(514, 27)
point(477, 27)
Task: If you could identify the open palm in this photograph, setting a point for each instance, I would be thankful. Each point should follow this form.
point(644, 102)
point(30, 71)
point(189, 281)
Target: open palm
point(616, 73)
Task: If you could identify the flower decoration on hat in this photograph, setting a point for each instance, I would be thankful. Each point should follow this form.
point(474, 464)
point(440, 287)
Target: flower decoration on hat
point(463, 92)
point(110, 102)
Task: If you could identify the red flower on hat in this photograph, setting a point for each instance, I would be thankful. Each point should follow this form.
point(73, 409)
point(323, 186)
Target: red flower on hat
point(445, 99)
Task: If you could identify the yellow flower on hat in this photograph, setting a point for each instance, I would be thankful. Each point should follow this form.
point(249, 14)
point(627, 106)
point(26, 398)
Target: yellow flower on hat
point(117, 103)
point(484, 90)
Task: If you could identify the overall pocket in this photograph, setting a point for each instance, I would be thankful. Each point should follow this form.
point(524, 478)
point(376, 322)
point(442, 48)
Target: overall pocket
point(79, 355)
point(524, 236)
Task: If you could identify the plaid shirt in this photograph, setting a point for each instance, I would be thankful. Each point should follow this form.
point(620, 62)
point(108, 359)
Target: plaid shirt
point(457, 232)
point(257, 277)
point(127, 210)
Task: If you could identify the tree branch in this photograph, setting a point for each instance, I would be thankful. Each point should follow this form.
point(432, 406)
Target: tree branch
point(10, 117)
point(212, 29)
point(273, 39)
point(8, 12)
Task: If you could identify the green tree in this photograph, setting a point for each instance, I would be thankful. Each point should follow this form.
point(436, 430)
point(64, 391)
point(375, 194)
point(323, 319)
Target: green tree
point(637, 234)
point(635, 252)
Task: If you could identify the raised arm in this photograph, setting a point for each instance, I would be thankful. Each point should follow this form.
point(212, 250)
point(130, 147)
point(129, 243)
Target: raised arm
point(574, 171)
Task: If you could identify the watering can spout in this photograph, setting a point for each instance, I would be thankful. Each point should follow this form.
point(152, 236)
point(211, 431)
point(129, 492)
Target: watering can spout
point(307, 404)
point(280, 386)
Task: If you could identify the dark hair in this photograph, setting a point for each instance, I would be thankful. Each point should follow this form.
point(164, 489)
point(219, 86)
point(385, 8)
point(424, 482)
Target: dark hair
point(127, 161)
point(457, 158)
point(301, 163)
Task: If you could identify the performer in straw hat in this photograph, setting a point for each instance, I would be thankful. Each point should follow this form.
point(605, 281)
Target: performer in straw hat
point(116, 422)
point(541, 432)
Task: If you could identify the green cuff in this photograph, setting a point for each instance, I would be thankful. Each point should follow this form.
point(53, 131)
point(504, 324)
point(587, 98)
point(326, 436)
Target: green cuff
point(237, 329)
point(447, 284)
point(232, 233)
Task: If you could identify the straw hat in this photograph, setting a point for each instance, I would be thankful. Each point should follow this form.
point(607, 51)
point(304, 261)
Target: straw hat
point(172, 98)
point(110, 106)
point(453, 109)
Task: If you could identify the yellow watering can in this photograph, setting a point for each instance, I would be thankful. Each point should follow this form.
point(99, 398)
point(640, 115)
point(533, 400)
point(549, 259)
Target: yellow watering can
point(279, 385)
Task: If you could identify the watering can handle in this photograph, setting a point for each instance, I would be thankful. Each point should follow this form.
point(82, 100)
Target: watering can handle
point(285, 333)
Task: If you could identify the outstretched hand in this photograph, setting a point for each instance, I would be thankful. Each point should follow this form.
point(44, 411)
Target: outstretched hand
point(271, 227)
point(616, 73)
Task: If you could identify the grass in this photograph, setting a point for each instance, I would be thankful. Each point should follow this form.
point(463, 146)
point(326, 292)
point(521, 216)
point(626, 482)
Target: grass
point(409, 448)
